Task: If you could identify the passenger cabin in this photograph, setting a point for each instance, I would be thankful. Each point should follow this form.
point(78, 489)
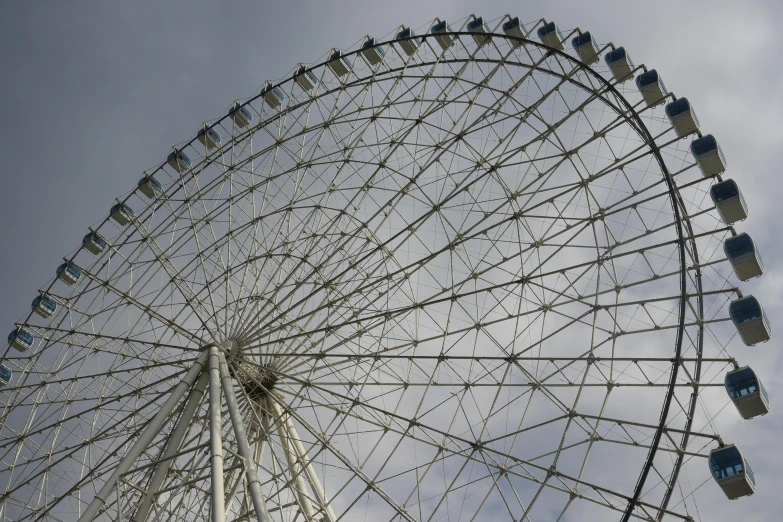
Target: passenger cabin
point(273, 96)
point(408, 41)
point(44, 305)
point(514, 28)
point(682, 116)
point(652, 88)
point(371, 52)
point(747, 393)
point(729, 201)
point(209, 137)
point(121, 213)
point(305, 78)
point(441, 31)
point(708, 155)
point(94, 243)
point(619, 62)
point(241, 115)
point(741, 251)
point(5, 374)
point(149, 186)
point(69, 273)
point(479, 30)
point(752, 324)
point(550, 35)
point(21, 339)
point(178, 161)
point(586, 47)
point(339, 64)
point(732, 472)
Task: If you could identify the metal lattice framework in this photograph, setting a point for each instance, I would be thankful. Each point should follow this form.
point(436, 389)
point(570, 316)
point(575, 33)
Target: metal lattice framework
point(480, 282)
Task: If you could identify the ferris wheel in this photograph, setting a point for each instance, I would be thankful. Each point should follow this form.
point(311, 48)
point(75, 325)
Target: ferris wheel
point(484, 270)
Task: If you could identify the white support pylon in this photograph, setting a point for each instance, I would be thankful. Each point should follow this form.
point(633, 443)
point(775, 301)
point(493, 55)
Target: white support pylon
point(251, 473)
point(216, 437)
point(99, 500)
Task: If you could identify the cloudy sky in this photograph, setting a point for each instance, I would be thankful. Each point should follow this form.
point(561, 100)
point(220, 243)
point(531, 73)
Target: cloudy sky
point(96, 92)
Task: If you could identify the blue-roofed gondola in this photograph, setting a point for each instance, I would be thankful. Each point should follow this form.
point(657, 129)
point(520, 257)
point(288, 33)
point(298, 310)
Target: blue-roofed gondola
point(21, 339)
point(44, 305)
point(240, 115)
point(515, 28)
point(732, 472)
point(69, 273)
point(371, 52)
point(305, 78)
point(339, 64)
point(121, 213)
point(441, 31)
point(550, 35)
point(752, 324)
point(273, 96)
point(209, 137)
point(620, 63)
point(479, 30)
point(650, 84)
point(708, 155)
point(408, 41)
point(149, 186)
point(94, 243)
point(586, 47)
point(5, 374)
point(729, 201)
point(747, 393)
point(683, 117)
point(744, 256)
point(178, 161)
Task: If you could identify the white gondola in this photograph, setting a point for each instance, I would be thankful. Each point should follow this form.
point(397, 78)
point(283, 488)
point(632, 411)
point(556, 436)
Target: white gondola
point(732, 472)
point(371, 52)
point(44, 305)
point(21, 339)
point(729, 201)
point(550, 35)
point(240, 115)
point(708, 155)
point(746, 392)
point(339, 64)
point(121, 213)
point(741, 251)
point(5, 374)
point(178, 161)
point(652, 88)
point(586, 47)
point(209, 137)
point(752, 324)
point(94, 243)
point(514, 28)
point(479, 30)
point(149, 186)
point(441, 31)
point(408, 41)
point(273, 96)
point(69, 273)
point(305, 78)
point(620, 63)
point(682, 116)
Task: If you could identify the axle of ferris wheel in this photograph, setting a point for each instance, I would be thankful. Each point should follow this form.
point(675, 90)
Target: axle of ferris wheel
point(210, 374)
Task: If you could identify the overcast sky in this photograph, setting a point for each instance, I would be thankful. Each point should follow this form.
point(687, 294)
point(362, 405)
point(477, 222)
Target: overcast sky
point(93, 93)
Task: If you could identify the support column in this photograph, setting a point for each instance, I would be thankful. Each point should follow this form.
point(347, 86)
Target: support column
point(251, 473)
point(216, 437)
point(172, 447)
point(144, 439)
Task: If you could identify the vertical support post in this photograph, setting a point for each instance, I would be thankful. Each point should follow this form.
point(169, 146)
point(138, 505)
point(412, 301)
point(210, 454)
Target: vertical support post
point(251, 473)
point(216, 437)
point(144, 439)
